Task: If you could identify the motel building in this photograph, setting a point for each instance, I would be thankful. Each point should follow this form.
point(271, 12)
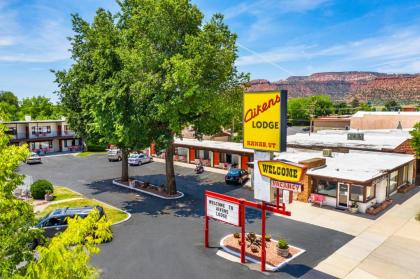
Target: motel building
point(44, 136)
point(340, 179)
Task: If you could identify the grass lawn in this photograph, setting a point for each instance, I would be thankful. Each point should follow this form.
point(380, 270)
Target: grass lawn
point(113, 214)
point(88, 153)
point(63, 193)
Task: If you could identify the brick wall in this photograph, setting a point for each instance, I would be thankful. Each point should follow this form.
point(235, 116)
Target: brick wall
point(405, 147)
point(307, 182)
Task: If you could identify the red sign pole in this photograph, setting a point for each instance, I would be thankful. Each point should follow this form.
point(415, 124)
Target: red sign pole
point(262, 236)
point(206, 225)
point(242, 208)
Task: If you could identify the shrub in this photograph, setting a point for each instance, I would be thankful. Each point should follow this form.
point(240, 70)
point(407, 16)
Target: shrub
point(40, 187)
point(96, 147)
point(282, 244)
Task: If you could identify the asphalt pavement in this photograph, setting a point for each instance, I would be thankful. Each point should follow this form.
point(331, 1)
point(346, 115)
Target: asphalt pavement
point(164, 238)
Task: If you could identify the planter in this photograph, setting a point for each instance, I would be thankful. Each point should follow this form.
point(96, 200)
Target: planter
point(48, 197)
point(353, 210)
point(283, 252)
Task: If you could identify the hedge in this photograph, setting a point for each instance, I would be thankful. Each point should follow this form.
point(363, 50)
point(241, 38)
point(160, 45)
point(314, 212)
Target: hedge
point(40, 187)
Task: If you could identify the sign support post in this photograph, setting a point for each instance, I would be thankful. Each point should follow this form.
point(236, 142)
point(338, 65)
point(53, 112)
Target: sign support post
point(263, 236)
point(242, 208)
point(206, 225)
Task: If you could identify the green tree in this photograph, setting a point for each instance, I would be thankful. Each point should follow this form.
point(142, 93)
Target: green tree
point(298, 112)
point(192, 79)
point(355, 103)
point(321, 105)
point(392, 105)
point(16, 216)
point(9, 106)
point(154, 72)
point(342, 108)
point(365, 107)
point(99, 93)
point(415, 140)
point(39, 108)
point(67, 255)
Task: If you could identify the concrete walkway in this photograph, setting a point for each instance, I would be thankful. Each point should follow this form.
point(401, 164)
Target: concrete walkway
point(388, 247)
point(331, 219)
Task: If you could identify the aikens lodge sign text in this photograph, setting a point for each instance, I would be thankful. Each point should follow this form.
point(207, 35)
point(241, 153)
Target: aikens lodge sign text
point(262, 121)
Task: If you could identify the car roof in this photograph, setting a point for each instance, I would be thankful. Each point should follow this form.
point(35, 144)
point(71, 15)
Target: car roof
point(73, 211)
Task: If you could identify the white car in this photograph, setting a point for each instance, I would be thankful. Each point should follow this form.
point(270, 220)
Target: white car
point(138, 159)
point(33, 158)
point(114, 155)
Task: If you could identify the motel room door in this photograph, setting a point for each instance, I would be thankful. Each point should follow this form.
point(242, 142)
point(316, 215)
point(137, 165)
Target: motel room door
point(343, 195)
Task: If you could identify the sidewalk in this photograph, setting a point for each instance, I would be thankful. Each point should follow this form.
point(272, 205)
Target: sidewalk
point(388, 247)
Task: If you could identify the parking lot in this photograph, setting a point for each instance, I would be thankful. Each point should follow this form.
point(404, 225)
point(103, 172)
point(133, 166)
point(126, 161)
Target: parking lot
point(164, 239)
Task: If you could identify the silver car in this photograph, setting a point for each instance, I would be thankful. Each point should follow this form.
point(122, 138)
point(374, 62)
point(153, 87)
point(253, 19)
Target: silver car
point(114, 155)
point(33, 158)
point(138, 159)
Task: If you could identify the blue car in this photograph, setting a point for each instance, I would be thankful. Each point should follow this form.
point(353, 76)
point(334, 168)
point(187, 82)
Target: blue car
point(236, 176)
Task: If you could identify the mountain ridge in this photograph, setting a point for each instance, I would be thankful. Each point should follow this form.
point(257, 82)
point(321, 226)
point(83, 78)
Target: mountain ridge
point(344, 86)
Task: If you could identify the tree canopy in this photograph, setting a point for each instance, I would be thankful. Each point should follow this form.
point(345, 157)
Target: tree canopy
point(144, 74)
point(415, 141)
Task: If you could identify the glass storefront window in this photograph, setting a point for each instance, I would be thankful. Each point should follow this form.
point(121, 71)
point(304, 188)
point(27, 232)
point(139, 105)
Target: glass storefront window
point(328, 188)
point(370, 193)
point(356, 193)
point(393, 181)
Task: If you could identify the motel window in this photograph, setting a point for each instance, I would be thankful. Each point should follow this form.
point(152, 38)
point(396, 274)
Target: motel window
point(50, 144)
point(65, 143)
point(356, 193)
point(225, 158)
point(370, 192)
point(393, 181)
point(328, 188)
point(48, 129)
point(33, 130)
point(202, 154)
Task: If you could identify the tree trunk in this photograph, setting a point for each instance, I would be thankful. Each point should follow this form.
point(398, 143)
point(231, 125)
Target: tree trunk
point(170, 172)
point(124, 165)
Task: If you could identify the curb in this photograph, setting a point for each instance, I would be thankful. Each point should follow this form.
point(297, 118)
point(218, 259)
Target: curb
point(148, 193)
point(110, 205)
point(268, 266)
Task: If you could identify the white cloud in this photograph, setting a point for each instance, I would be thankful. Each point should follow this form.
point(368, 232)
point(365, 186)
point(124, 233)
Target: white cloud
point(399, 50)
point(42, 41)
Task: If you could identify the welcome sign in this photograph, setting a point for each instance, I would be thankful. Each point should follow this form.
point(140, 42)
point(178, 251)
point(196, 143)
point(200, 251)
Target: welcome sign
point(262, 120)
point(281, 171)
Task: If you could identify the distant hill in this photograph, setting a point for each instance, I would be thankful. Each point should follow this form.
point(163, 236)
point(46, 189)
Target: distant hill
point(345, 86)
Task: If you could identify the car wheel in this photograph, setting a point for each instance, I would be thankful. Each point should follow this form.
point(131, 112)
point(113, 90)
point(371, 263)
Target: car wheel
point(119, 158)
point(109, 160)
point(139, 163)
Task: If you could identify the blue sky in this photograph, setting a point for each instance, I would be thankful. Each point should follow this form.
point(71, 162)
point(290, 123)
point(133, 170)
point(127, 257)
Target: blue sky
point(276, 38)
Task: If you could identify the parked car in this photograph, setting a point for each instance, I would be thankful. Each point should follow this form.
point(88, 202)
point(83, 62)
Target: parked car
point(236, 176)
point(114, 155)
point(56, 221)
point(33, 158)
point(137, 159)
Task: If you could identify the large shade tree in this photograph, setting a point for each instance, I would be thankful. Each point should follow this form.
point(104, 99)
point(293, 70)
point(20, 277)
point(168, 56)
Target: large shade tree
point(150, 71)
point(98, 92)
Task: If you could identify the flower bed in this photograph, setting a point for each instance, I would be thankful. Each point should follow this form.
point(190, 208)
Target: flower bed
point(406, 188)
point(272, 258)
point(148, 188)
point(376, 208)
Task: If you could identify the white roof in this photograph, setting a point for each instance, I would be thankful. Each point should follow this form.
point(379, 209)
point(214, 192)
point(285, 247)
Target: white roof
point(374, 140)
point(355, 165)
point(224, 145)
point(382, 113)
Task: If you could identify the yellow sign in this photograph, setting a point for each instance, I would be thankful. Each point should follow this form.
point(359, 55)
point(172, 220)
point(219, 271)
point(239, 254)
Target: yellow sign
point(281, 171)
point(261, 121)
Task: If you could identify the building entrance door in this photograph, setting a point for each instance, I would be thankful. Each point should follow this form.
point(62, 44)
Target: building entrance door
point(343, 195)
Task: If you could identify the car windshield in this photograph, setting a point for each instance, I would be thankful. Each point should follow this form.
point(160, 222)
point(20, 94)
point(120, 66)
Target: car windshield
point(33, 154)
point(234, 172)
point(133, 156)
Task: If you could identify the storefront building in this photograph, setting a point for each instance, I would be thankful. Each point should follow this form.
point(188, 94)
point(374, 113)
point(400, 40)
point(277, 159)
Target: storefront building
point(216, 154)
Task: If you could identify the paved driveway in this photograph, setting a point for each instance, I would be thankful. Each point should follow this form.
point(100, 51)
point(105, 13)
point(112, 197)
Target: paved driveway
point(164, 239)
